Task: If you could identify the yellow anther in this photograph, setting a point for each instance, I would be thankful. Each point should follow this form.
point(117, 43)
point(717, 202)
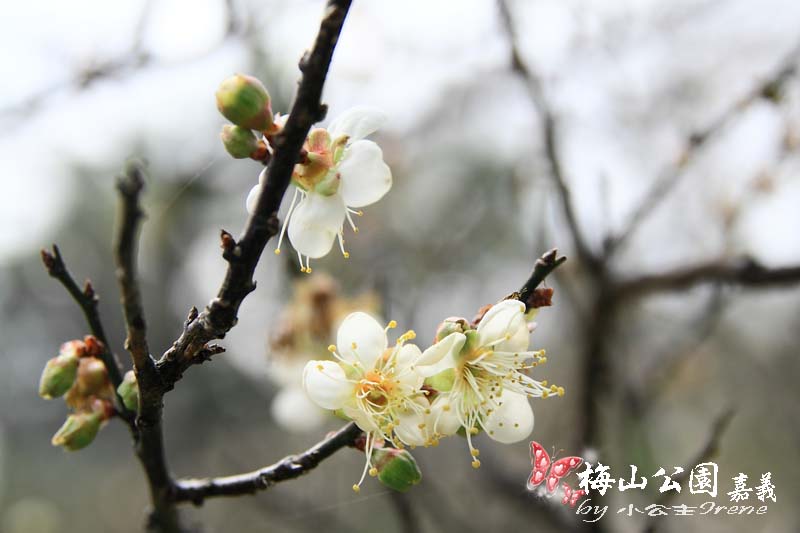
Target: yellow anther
point(544, 383)
point(373, 471)
point(392, 324)
point(346, 255)
point(545, 394)
point(561, 391)
point(389, 427)
point(353, 345)
point(360, 213)
point(427, 411)
point(302, 269)
point(332, 348)
point(473, 431)
point(355, 230)
point(476, 464)
point(356, 489)
point(320, 368)
point(475, 452)
point(421, 426)
point(553, 388)
point(446, 407)
point(277, 251)
point(434, 442)
point(308, 270)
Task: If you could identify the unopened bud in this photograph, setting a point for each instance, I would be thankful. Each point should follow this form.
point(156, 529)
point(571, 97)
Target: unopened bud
point(240, 142)
point(92, 377)
point(128, 390)
point(58, 376)
point(453, 324)
point(245, 101)
point(78, 431)
point(396, 469)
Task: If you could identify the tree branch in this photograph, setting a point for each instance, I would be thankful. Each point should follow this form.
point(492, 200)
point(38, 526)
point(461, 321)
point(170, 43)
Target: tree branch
point(87, 300)
point(293, 466)
point(548, 130)
point(744, 271)
point(221, 313)
point(547, 263)
point(150, 442)
point(669, 178)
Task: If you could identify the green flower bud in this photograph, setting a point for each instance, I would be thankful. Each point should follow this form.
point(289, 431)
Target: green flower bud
point(396, 469)
point(128, 390)
point(78, 431)
point(453, 324)
point(240, 142)
point(58, 375)
point(92, 377)
point(245, 101)
point(473, 343)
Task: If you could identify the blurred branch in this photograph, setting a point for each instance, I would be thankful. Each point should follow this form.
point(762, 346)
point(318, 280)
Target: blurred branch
point(548, 126)
point(669, 178)
point(221, 313)
point(709, 450)
point(293, 466)
point(744, 271)
point(87, 300)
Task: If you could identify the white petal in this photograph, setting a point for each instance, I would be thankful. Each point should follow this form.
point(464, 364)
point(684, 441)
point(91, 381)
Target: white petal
point(262, 177)
point(408, 430)
point(315, 223)
point(512, 421)
point(443, 418)
point(366, 334)
point(505, 320)
point(365, 177)
point(406, 358)
point(441, 355)
point(357, 122)
point(361, 419)
point(326, 384)
point(252, 198)
point(293, 410)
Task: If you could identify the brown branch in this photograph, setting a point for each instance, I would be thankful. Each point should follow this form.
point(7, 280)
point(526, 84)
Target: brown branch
point(744, 271)
point(549, 133)
point(669, 178)
point(221, 313)
point(544, 266)
point(709, 451)
point(150, 442)
point(87, 300)
point(197, 490)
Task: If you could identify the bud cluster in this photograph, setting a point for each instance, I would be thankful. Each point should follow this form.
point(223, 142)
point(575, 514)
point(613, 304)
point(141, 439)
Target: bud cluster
point(79, 375)
point(246, 103)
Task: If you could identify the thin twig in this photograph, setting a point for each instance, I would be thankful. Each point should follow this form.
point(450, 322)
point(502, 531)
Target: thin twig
point(549, 133)
point(150, 442)
point(544, 266)
point(87, 300)
point(197, 490)
point(744, 271)
point(669, 177)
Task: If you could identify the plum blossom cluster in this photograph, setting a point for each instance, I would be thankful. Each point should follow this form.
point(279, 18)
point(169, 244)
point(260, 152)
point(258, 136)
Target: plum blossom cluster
point(474, 378)
point(339, 170)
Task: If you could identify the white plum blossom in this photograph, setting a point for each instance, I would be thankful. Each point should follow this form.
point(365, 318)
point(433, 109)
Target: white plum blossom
point(484, 370)
point(379, 387)
point(342, 171)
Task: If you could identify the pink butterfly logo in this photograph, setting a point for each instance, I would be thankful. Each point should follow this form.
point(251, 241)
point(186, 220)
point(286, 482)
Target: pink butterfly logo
point(543, 470)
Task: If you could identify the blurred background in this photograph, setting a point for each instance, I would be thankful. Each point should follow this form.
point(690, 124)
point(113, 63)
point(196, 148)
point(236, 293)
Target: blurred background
point(654, 143)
